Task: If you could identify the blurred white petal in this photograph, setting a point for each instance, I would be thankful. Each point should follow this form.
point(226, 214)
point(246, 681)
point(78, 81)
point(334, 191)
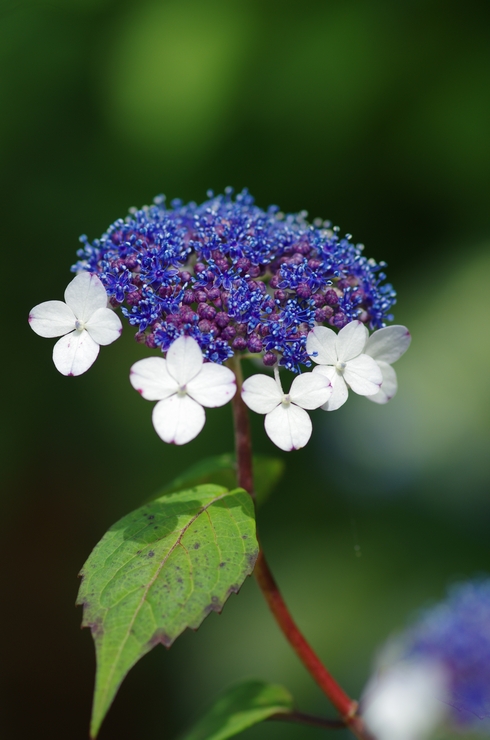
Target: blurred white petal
point(74, 353)
point(178, 419)
point(404, 703)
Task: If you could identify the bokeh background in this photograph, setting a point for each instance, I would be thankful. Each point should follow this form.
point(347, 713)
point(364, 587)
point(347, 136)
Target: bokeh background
point(375, 115)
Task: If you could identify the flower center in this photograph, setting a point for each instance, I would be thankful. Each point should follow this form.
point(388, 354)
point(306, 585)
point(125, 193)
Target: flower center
point(181, 392)
point(340, 367)
point(286, 400)
point(79, 325)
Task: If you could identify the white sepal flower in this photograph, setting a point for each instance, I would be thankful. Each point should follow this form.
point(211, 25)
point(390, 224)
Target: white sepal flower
point(404, 702)
point(386, 346)
point(85, 321)
point(341, 358)
point(182, 384)
point(286, 422)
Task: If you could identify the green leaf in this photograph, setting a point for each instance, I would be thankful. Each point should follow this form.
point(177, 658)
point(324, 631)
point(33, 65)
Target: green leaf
point(221, 470)
point(239, 708)
point(267, 473)
point(159, 570)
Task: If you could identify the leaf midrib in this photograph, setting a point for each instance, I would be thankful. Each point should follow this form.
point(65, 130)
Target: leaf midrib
point(150, 584)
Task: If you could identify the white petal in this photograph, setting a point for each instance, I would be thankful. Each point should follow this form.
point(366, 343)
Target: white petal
point(288, 427)
point(320, 345)
point(389, 385)
point(261, 393)
point(184, 359)
point(339, 389)
point(151, 378)
point(178, 419)
point(363, 375)
point(310, 391)
point(74, 353)
point(388, 344)
point(404, 703)
point(351, 340)
point(85, 294)
point(104, 326)
point(214, 386)
point(52, 319)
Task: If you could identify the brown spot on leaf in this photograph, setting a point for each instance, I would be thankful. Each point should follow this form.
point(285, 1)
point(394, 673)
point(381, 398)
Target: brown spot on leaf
point(160, 636)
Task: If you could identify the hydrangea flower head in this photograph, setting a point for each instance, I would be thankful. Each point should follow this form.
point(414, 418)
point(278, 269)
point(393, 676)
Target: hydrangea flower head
point(440, 667)
point(83, 322)
point(456, 634)
point(235, 278)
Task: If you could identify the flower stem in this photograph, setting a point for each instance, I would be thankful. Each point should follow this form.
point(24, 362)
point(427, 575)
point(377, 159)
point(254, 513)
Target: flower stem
point(346, 706)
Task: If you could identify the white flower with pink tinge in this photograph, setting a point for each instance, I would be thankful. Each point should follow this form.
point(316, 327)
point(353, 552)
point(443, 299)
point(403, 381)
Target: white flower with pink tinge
point(84, 323)
point(182, 384)
point(342, 359)
point(386, 346)
point(286, 422)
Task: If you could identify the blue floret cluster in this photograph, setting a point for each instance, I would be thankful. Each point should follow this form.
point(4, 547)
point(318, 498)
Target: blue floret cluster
point(235, 277)
point(456, 634)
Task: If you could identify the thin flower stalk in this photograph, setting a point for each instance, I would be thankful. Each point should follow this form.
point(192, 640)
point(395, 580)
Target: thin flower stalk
point(346, 706)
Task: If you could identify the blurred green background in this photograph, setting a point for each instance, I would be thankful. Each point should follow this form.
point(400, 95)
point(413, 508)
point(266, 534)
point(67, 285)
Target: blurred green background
point(373, 114)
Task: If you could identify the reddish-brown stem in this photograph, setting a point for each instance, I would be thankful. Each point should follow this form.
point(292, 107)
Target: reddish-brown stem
point(346, 707)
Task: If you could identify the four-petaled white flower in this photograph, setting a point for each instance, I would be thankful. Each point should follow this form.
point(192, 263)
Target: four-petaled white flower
point(84, 319)
point(342, 359)
point(387, 346)
point(286, 421)
point(182, 384)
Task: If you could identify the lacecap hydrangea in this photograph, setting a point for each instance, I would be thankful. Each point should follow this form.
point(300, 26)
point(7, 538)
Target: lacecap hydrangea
point(437, 672)
point(234, 277)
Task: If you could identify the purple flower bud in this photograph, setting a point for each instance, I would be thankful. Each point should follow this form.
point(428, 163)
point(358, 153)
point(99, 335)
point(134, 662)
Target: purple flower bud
point(239, 343)
point(269, 359)
point(254, 344)
point(229, 332)
point(303, 290)
point(206, 311)
point(331, 298)
point(205, 326)
point(339, 320)
point(243, 264)
point(222, 319)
